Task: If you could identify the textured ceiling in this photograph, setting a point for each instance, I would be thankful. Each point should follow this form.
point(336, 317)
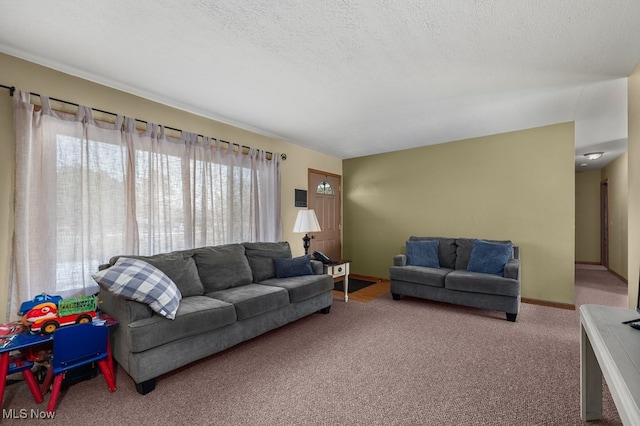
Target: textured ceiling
point(352, 78)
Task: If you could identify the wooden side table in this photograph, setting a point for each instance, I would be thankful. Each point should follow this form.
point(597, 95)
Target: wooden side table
point(339, 270)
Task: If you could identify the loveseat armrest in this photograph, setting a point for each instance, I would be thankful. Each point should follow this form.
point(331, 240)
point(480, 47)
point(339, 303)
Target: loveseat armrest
point(400, 260)
point(512, 269)
point(125, 311)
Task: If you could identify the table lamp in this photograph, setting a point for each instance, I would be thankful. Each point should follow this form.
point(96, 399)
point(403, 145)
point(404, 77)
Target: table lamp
point(306, 222)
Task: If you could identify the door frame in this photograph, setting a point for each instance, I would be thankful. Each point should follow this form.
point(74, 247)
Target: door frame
point(309, 189)
point(604, 223)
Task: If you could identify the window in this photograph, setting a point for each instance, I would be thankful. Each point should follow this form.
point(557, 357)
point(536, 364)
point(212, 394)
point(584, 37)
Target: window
point(324, 187)
point(87, 191)
point(81, 173)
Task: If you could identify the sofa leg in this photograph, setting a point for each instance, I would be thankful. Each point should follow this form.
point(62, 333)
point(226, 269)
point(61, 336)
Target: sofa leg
point(325, 310)
point(147, 386)
point(395, 296)
point(511, 317)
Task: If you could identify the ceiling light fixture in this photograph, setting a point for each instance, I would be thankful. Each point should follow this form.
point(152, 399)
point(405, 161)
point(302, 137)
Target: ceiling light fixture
point(593, 155)
point(583, 165)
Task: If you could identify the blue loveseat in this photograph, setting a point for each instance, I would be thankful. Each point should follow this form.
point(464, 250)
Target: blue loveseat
point(447, 270)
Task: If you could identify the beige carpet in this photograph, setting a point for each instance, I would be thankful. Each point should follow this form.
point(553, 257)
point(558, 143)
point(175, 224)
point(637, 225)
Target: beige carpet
point(386, 362)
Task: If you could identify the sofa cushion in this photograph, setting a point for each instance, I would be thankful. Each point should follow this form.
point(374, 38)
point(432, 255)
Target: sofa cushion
point(423, 253)
point(180, 267)
point(463, 251)
point(138, 280)
point(222, 267)
point(488, 257)
point(196, 315)
point(253, 299)
point(293, 267)
point(261, 255)
point(446, 250)
point(302, 287)
point(419, 275)
point(476, 282)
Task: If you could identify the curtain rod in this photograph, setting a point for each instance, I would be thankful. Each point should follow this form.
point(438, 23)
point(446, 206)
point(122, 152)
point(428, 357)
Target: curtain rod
point(12, 90)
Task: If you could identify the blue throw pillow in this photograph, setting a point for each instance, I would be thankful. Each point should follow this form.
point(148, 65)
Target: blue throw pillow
point(293, 267)
point(423, 253)
point(488, 257)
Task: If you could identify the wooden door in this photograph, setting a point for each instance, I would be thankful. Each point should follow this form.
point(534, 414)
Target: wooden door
point(324, 196)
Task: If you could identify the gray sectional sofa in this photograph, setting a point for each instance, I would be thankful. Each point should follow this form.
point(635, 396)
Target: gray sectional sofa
point(449, 280)
point(230, 293)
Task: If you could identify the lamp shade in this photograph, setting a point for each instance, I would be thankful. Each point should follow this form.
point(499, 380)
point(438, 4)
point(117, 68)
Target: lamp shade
point(306, 222)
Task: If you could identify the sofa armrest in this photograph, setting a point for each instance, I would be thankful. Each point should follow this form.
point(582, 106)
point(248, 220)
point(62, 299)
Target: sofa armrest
point(512, 269)
point(400, 260)
point(316, 265)
point(123, 310)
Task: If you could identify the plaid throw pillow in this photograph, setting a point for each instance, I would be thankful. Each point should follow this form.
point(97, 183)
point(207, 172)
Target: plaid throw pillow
point(137, 280)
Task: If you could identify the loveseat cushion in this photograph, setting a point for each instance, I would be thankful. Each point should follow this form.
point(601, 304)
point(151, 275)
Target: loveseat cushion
point(196, 314)
point(177, 265)
point(476, 282)
point(252, 299)
point(222, 267)
point(261, 255)
point(446, 250)
point(302, 287)
point(419, 275)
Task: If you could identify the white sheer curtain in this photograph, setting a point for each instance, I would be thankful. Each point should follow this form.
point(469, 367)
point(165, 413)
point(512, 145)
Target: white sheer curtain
point(88, 190)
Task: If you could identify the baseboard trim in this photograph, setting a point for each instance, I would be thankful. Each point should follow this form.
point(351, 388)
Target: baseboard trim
point(620, 277)
point(568, 306)
point(580, 262)
point(367, 278)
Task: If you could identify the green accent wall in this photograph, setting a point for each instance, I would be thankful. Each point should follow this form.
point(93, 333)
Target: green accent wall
point(518, 186)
